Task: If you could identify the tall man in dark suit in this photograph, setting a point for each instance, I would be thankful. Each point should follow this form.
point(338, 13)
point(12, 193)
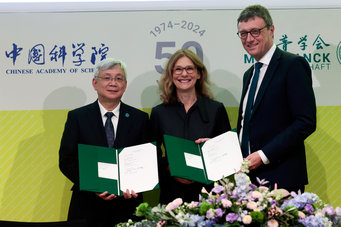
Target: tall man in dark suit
point(273, 124)
point(86, 125)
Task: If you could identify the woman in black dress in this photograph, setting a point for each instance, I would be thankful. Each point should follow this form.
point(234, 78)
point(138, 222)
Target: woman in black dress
point(187, 111)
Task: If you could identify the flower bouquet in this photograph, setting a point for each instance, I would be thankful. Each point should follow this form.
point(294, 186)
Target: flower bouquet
point(235, 201)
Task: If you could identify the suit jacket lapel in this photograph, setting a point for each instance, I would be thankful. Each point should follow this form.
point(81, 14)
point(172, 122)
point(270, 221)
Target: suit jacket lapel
point(97, 123)
point(247, 79)
point(270, 73)
point(123, 126)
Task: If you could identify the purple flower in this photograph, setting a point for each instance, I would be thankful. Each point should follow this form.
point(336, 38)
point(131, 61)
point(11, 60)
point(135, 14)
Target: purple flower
point(329, 210)
point(210, 214)
point(314, 221)
point(223, 196)
point(194, 220)
point(218, 189)
point(253, 187)
point(234, 194)
point(219, 212)
point(226, 203)
point(261, 182)
point(231, 217)
point(299, 201)
point(338, 211)
point(309, 208)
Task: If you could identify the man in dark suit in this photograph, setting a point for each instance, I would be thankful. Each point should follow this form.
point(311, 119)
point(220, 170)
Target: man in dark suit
point(278, 111)
point(86, 125)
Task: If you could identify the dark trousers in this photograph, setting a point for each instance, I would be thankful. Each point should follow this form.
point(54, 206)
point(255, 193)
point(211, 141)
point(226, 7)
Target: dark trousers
point(100, 213)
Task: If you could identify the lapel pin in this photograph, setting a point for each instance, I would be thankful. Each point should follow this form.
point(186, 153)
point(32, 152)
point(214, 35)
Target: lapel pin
point(127, 115)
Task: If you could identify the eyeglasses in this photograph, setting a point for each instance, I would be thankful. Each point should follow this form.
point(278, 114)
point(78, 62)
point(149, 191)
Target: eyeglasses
point(254, 33)
point(108, 78)
point(179, 70)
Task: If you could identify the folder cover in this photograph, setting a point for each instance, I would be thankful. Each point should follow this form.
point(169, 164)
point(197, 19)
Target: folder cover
point(207, 162)
point(115, 170)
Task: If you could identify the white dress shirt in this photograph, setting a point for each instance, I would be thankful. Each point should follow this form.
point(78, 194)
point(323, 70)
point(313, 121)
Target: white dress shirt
point(266, 61)
point(114, 118)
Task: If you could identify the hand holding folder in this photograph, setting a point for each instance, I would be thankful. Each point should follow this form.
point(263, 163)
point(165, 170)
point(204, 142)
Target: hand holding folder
point(116, 170)
point(207, 162)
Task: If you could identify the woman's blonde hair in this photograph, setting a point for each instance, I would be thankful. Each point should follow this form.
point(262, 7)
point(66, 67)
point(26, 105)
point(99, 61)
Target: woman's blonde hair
point(168, 89)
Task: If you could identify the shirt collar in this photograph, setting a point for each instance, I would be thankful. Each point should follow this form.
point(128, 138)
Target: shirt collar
point(116, 111)
point(179, 103)
point(267, 57)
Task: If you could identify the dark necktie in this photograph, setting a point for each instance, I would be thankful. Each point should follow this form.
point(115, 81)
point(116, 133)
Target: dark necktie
point(248, 110)
point(109, 129)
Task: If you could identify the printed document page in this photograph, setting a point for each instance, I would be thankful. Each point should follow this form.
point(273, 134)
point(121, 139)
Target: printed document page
point(222, 156)
point(138, 168)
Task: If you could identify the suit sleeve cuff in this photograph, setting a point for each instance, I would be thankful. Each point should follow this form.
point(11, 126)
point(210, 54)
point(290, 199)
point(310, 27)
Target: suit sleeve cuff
point(265, 160)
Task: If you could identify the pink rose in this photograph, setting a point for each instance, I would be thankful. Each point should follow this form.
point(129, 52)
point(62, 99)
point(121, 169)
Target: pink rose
point(256, 194)
point(173, 205)
point(226, 203)
point(272, 223)
point(251, 205)
point(247, 219)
